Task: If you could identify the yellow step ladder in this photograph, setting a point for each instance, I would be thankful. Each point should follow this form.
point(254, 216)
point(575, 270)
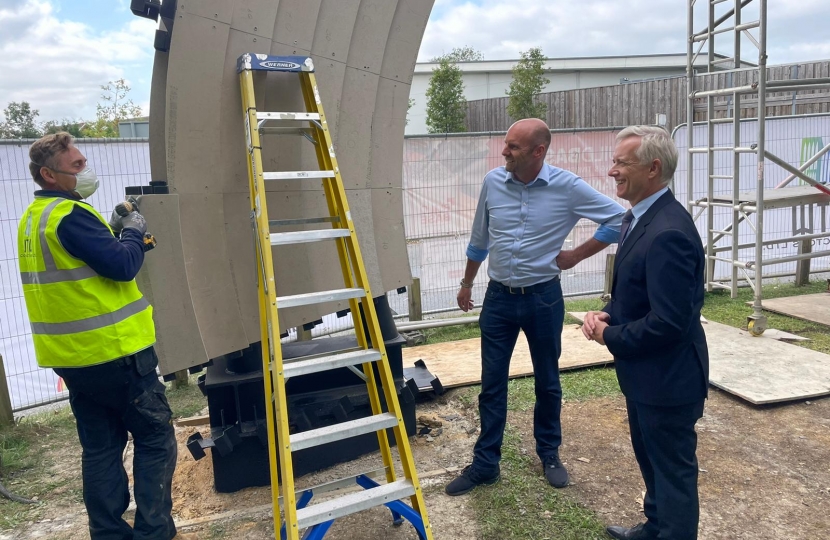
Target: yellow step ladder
point(297, 513)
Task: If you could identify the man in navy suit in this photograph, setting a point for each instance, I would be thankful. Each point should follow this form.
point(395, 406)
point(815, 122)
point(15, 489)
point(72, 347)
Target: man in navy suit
point(652, 327)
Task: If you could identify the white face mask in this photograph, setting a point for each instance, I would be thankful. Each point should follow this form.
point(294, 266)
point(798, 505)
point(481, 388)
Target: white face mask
point(86, 183)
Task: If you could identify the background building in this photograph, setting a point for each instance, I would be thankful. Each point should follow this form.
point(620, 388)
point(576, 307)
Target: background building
point(491, 78)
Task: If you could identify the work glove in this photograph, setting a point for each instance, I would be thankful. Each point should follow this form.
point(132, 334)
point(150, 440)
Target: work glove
point(121, 210)
point(134, 220)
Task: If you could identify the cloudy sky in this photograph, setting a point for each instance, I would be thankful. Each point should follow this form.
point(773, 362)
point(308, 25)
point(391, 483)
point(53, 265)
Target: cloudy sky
point(55, 54)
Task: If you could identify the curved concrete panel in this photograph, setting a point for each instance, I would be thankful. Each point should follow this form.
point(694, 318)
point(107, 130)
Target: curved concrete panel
point(364, 53)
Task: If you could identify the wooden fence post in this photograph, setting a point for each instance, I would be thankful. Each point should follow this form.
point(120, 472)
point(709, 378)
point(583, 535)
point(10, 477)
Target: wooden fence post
point(303, 334)
point(802, 267)
point(609, 277)
point(415, 312)
point(182, 379)
point(6, 415)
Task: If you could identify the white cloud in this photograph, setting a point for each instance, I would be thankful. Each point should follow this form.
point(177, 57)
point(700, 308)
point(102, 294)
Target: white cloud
point(58, 66)
point(797, 31)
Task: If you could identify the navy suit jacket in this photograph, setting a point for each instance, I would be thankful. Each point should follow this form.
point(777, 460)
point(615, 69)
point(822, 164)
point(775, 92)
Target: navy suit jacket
point(655, 332)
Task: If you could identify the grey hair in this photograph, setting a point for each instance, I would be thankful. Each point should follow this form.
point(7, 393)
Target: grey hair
point(655, 143)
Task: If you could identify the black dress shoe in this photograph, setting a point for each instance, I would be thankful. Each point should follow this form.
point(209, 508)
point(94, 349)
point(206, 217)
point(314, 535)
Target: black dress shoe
point(469, 480)
point(634, 533)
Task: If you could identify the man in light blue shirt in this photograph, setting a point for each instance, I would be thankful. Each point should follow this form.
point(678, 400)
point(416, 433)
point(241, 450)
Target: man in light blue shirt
point(525, 212)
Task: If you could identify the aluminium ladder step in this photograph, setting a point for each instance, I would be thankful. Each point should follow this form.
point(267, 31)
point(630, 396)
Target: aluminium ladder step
point(303, 237)
point(297, 175)
point(286, 131)
point(307, 299)
point(353, 502)
point(329, 362)
point(343, 430)
point(300, 116)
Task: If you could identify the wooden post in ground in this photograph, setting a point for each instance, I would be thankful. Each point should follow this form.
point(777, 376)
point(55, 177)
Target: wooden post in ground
point(802, 267)
point(303, 334)
point(415, 311)
point(6, 415)
point(609, 277)
point(181, 379)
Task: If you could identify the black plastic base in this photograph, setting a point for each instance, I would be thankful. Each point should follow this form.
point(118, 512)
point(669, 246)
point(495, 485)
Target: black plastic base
point(236, 402)
point(247, 464)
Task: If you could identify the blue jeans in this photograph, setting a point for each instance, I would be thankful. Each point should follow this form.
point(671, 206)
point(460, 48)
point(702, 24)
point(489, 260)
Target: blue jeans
point(540, 316)
point(108, 400)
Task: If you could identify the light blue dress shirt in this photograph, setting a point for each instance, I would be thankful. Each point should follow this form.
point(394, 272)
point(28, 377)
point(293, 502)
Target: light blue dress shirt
point(522, 227)
point(641, 208)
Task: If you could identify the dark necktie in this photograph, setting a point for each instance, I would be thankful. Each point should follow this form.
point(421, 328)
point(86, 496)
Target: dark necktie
point(626, 223)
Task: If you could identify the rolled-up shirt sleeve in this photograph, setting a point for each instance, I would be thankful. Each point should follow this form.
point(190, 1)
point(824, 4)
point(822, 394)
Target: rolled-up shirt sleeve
point(477, 249)
point(590, 204)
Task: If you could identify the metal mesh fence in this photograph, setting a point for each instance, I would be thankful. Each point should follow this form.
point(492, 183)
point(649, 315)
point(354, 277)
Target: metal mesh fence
point(442, 178)
point(118, 163)
point(795, 139)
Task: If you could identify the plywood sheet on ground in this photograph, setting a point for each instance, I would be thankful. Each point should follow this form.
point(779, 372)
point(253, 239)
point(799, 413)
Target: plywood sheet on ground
point(809, 307)
point(764, 370)
point(458, 363)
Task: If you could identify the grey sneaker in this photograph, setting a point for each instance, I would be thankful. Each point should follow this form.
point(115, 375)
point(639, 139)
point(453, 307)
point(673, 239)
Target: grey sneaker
point(468, 480)
point(555, 473)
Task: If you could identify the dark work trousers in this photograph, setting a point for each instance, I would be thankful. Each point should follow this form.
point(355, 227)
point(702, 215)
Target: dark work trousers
point(109, 400)
point(539, 313)
point(665, 442)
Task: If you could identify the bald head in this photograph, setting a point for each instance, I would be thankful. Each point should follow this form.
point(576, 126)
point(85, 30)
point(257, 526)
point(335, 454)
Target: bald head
point(533, 131)
point(525, 147)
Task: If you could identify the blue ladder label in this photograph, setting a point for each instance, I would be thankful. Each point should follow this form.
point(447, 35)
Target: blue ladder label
point(264, 62)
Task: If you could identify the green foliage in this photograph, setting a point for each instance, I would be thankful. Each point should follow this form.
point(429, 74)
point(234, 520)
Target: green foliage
point(27, 453)
point(528, 81)
point(20, 122)
point(411, 103)
point(522, 505)
point(69, 126)
point(446, 105)
point(114, 108)
point(187, 400)
point(461, 54)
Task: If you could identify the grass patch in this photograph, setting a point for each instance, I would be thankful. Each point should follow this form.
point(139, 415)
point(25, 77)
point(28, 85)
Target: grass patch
point(522, 505)
point(26, 469)
point(586, 384)
point(187, 400)
point(452, 333)
point(719, 307)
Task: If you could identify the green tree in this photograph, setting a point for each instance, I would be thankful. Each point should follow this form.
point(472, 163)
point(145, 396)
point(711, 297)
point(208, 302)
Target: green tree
point(69, 126)
point(411, 103)
point(528, 81)
point(114, 108)
point(446, 105)
point(20, 122)
point(461, 54)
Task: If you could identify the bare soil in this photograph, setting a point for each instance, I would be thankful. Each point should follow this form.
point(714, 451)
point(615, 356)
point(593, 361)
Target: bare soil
point(765, 473)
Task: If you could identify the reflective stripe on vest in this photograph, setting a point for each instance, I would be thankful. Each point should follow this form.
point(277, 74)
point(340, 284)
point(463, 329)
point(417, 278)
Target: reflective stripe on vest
point(78, 317)
point(92, 323)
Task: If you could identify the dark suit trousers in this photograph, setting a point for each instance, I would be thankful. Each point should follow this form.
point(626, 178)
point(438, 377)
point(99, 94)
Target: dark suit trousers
point(665, 441)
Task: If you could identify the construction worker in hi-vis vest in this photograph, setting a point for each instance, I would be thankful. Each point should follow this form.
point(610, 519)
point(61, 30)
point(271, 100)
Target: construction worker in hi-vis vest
point(91, 324)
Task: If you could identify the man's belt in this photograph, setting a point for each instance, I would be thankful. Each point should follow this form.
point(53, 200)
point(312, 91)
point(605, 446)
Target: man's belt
point(530, 289)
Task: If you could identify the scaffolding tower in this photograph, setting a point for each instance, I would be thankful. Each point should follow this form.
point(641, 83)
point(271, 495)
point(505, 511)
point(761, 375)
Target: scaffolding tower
point(743, 205)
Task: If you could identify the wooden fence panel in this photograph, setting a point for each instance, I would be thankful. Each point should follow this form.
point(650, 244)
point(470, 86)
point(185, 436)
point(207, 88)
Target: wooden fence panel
point(639, 103)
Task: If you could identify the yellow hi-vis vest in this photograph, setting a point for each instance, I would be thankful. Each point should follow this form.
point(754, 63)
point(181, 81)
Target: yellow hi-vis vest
point(78, 318)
